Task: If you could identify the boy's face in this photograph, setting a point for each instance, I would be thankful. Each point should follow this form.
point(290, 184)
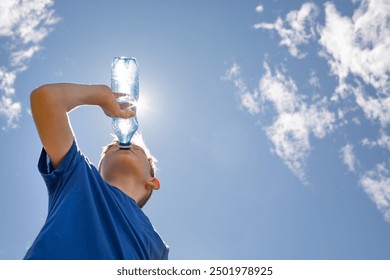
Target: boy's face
point(128, 170)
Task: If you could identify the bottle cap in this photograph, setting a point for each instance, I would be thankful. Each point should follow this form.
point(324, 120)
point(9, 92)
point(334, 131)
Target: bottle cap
point(124, 146)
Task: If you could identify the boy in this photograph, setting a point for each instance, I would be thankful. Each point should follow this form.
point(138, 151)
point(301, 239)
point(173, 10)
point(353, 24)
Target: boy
point(93, 214)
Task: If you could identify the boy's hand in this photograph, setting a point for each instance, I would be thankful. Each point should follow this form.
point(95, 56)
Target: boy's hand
point(111, 107)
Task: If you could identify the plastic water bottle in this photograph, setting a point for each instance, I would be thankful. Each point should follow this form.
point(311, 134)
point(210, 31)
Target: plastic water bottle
point(124, 80)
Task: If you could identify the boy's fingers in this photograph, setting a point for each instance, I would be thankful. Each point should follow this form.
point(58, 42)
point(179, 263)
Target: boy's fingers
point(114, 109)
point(127, 114)
point(124, 114)
point(125, 109)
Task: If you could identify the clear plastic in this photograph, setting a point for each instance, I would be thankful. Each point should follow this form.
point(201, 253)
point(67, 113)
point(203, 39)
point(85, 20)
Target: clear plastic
point(124, 80)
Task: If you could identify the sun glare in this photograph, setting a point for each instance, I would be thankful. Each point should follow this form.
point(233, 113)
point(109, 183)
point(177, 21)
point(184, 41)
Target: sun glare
point(143, 105)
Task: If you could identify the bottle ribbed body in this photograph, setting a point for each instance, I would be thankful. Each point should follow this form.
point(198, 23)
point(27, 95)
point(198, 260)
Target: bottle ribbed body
point(125, 82)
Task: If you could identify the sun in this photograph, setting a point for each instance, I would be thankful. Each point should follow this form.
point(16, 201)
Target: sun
point(143, 105)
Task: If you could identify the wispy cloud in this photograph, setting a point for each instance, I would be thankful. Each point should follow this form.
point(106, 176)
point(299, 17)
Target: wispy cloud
point(23, 26)
point(358, 45)
point(314, 81)
point(356, 49)
point(296, 29)
point(259, 8)
point(348, 157)
point(383, 141)
point(8, 107)
point(376, 184)
point(374, 107)
point(249, 100)
point(296, 120)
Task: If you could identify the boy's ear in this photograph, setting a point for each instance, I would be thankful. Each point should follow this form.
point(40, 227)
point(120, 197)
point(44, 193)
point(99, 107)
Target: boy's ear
point(153, 184)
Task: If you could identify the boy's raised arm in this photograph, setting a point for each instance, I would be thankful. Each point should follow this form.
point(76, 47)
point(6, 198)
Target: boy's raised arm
point(50, 105)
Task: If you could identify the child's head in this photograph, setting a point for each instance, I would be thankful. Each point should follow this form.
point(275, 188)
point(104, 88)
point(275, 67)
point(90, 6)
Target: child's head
point(133, 171)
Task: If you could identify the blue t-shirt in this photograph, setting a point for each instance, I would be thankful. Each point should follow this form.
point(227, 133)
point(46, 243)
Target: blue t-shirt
point(90, 219)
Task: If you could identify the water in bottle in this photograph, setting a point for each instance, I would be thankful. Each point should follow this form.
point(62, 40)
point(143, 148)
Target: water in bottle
point(124, 80)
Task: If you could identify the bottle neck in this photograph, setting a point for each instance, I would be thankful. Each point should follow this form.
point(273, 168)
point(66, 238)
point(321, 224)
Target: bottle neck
point(124, 146)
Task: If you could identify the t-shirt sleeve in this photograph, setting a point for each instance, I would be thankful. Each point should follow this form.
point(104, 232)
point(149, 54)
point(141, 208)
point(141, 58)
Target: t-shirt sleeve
point(52, 176)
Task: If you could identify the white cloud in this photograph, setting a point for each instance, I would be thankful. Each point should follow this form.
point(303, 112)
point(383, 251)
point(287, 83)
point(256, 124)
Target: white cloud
point(8, 108)
point(348, 157)
point(295, 120)
point(23, 26)
point(374, 107)
point(356, 49)
point(376, 183)
point(359, 45)
point(279, 90)
point(7, 80)
point(11, 110)
point(27, 21)
point(299, 30)
point(20, 58)
point(259, 8)
point(290, 137)
point(314, 81)
point(383, 141)
point(232, 72)
point(248, 100)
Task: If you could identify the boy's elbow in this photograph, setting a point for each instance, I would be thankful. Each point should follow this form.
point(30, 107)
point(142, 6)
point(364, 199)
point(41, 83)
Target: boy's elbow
point(35, 94)
point(39, 95)
point(40, 98)
point(38, 92)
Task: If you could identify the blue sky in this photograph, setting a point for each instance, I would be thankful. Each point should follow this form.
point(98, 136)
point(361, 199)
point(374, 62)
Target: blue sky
point(270, 119)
